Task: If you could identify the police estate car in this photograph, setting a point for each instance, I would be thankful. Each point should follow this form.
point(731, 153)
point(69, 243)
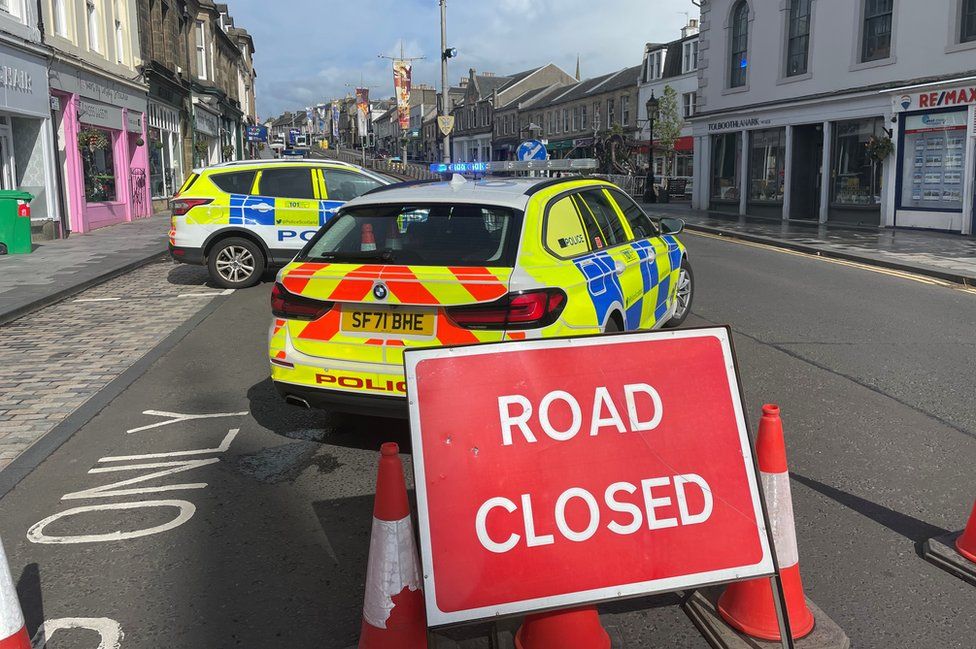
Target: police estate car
point(460, 262)
point(239, 218)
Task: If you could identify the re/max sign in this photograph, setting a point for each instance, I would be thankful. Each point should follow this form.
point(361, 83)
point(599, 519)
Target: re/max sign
point(958, 97)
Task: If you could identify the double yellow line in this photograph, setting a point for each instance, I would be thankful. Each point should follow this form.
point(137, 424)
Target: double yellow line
point(923, 279)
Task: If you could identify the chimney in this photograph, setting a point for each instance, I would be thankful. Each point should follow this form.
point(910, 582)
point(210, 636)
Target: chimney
point(690, 29)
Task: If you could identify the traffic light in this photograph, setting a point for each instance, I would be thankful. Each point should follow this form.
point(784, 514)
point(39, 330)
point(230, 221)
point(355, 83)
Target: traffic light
point(371, 140)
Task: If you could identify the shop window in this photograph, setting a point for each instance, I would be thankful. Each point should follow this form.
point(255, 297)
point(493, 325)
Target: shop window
point(968, 25)
point(739, 61)
point(856, 175)
point(345, 186)
point(684, 165)
point(565, 236)
point(98, 164)
point(640, 224)
point(238, 182)
point(933, 160)
point(726, 153)
point(291, 182)
point(767, 156)
point(876, 36)
point(798, 42)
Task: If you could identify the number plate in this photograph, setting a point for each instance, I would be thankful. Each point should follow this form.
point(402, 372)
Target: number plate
point(388, 322)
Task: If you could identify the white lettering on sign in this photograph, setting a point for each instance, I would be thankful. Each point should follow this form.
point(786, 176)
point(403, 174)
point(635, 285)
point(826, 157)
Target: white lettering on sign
point(109, 631)
point(15, 79)
point(648, 509)
point(515, 411)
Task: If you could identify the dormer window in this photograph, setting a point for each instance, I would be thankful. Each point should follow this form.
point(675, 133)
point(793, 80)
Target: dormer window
point(655, 65)
point(689, 59)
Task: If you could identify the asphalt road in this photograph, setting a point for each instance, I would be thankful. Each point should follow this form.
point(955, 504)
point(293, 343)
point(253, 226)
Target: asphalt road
point(262, 529)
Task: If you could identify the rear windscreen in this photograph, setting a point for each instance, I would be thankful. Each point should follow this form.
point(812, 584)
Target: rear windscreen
point(421, 235)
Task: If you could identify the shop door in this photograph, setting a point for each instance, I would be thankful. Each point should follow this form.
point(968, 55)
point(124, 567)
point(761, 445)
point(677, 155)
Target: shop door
point(7, 175)
point(806, 173)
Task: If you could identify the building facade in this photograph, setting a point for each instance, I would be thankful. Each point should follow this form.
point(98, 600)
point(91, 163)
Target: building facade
point(838, 111)
point(99, 111)
point(27, 148)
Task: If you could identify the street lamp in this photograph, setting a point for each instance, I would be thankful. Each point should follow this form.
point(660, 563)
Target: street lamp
point(649, 195)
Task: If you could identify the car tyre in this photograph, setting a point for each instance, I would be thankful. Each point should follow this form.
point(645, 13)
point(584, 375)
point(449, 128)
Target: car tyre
point(684, 294)
point(613, 326)
point(236, 262)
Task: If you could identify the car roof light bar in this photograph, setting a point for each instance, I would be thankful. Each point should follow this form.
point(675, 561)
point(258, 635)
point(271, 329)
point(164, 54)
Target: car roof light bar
point(502, 166)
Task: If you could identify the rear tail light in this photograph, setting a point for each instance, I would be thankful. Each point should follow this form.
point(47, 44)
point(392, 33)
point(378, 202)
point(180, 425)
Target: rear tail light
point(180, 206)
point(526, 310)
point(296, 307)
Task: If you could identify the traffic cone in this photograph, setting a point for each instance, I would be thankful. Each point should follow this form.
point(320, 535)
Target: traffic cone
point(393, 606)
point(573, 629)
point(394, 242)
point(748, 605)
point(13, 631)
point(966, 543)
point(368, 239)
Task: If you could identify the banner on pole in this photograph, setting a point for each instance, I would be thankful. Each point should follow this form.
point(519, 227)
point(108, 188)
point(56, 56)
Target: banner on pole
point(401, 86)
point(335, 119)
point(362, 111)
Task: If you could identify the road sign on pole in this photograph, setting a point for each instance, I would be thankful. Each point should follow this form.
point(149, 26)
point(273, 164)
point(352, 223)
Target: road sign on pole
point(567, 483)
point(532, 150)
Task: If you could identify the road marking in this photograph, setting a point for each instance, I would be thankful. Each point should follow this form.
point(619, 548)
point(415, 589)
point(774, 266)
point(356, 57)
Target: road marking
point(223, 446)
point(177, 417)
point(922, 279)
point(98, 299)
point(227, 291)
point(109, 631)
point(36, 533)
point(169, 468)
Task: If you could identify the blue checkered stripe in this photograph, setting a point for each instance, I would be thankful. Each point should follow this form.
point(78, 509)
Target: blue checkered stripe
point(251, 210)
point(602, 282)
point(327, 210)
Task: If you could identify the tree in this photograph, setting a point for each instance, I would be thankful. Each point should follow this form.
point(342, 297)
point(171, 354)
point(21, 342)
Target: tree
point(667, 128)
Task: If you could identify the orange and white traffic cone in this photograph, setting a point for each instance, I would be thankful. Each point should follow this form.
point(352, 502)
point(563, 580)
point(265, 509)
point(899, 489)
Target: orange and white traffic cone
point(393, 607)
point(368, 239)
point(13, 631)
point(966, 543)
point(748, 605)
point(573, 629)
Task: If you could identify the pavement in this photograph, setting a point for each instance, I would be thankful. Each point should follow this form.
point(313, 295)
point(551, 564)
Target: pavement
point(950, 257)
point(195, 509)
point(62, 267)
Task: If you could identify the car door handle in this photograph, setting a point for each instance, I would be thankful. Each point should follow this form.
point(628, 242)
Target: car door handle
point(262, 207)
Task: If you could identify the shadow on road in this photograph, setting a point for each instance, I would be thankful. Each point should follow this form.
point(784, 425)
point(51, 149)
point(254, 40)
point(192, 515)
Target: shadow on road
point(31, 598)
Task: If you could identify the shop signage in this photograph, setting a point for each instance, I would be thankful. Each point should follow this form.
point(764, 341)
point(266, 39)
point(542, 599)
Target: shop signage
point(99, 114)
point(133, 122)
point(739, 124)
point(256, 133)
point(18, 75)
point(92, 86)
point(961, 96)
point(570, 485)
point(207, 123)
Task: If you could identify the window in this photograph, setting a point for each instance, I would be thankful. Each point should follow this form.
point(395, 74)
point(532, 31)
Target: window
point(596, 204)
point(655, 65)
point(575, 119)
point(239, 182)
point(610, 113)
point(201, 41)
point(798, 39)
point(119, 34)
point(689, 59)
point(98, 165)
point(934, 159)
point(968, 24)
point(565, 120)
point(856, 175)
point(640, 224)
point(60, 17)
point(11, 7)
point(625, 110)
point(345, 185)
point(291, 182)
point(93, 41)
point(689, 103)
point(739, 61)
point(583, 123)
point(876, 38)
point(767, 156)
point(565, 236)
point(596, 115)
point(726, 153)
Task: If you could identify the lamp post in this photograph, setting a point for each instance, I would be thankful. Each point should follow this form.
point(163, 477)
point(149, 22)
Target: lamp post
point(446, 53)
point(649, 195)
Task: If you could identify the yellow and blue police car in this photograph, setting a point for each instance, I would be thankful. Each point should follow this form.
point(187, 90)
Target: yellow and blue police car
point(239, 218)
point(461, 262)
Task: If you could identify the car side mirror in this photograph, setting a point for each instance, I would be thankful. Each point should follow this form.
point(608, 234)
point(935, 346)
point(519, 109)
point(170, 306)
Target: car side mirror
point(672, 226)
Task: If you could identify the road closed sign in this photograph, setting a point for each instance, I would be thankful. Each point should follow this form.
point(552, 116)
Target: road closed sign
point(558, 472)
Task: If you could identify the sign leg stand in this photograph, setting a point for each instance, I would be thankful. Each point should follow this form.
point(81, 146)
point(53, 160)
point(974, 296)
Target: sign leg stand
point(782, 616)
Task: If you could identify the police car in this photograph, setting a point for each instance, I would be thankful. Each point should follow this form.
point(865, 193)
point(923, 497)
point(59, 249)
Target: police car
point(460, 262)
point(239, 218)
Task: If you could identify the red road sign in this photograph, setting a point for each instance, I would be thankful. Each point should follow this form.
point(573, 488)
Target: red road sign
point(561, 471)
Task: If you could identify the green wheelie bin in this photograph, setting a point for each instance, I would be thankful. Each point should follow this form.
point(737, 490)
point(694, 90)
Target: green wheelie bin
point(15, 222)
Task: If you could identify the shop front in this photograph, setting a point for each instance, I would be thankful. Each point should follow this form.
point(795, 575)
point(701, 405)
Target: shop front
point(206, 136)
point(936, 158)
point(165, 153)
point(27, 158)
point(102, 138)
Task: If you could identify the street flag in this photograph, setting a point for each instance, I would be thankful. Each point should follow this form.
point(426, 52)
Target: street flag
point(401, 85)
point(335, 119)
point(362, 111)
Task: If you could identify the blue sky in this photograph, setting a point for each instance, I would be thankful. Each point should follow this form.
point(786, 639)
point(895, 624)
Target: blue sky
point(308, 51)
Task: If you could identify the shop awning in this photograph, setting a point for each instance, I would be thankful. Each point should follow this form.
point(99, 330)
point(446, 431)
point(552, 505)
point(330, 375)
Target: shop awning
point(684, 144)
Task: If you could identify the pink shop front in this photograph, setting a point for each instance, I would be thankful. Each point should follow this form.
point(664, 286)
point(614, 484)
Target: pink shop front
point(103, 153)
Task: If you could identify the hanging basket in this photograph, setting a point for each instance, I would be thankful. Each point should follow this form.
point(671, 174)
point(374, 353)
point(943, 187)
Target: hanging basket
point(201, 148)
point(879, 148)
point(93, 139)
point(227, 151)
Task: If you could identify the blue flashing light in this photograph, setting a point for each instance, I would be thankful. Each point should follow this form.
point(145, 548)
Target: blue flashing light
point(742, 64)
point(438, 168)
point(460, 168)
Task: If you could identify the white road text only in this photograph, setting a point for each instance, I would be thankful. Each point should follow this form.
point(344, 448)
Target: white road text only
point(164, 464)
point(644, 410)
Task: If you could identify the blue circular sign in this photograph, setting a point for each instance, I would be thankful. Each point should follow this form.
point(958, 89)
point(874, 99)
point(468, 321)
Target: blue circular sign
point(532, 150)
